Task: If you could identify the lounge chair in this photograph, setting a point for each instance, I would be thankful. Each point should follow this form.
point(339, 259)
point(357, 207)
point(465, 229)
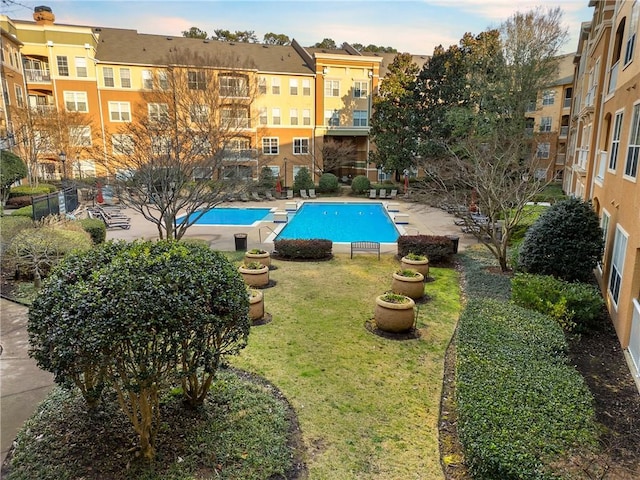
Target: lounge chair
point(289, 194)
point(383, 193)
point(303, 194)
point(243, 197)
point(393, 194)
point(372, 193)
point(312, 193)
point(255, 196)
point(269, 196)
point(123, 223)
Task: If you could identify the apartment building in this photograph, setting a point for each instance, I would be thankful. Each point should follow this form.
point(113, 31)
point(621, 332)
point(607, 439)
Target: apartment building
point(604, 152)
point(548, 122)
point(12, 83)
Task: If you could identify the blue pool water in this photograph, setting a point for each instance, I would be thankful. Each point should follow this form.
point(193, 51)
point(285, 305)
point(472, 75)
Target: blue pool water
point(232, 216)
point(341, 222)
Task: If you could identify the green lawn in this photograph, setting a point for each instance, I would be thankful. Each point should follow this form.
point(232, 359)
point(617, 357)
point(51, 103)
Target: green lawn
point(368, 406)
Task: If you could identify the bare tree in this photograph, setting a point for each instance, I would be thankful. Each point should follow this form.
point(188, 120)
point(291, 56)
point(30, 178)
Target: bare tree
point(192, 149)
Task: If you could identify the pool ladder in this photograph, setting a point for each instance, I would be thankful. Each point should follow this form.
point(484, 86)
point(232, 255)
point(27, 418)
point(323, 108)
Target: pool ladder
point(271, 230)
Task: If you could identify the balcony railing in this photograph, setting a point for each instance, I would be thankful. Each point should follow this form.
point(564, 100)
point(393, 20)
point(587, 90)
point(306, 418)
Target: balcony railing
point(566, 103)
point(564, 131)
point(37, 76)
point(613, 77)
point(590, 97)
point(561, 158)
point(602, 165)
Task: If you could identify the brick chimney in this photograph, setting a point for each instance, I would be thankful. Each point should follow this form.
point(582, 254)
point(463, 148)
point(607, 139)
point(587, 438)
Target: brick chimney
point(43, 15)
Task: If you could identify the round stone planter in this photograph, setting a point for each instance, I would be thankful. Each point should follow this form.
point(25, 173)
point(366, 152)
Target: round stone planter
point(256, 305)
point(412, 287)
point(394, 317)
point(421, 266)
point(255, 277)
point(263, 258)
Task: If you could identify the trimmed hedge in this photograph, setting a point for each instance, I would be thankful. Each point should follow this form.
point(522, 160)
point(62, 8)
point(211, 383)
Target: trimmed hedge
point(96, 228)
point(479, 281)
point(521, 407)
point(305, 249)
point(328, 183)
point(29, 190)
point(360, 184)
point(23, 212)
point(437, 248)
point(576, 306)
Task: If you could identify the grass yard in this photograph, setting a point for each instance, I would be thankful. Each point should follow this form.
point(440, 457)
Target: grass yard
point(368, 406)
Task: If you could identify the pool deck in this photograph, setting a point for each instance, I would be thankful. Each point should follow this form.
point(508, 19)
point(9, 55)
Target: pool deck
point(423, 219)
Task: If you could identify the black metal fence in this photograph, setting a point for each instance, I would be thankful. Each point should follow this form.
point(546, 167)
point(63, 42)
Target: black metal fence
point(60, 202)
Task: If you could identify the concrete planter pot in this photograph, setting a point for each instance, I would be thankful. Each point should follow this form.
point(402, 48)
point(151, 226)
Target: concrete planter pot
point(412, 287)
point(256, 305)
point(263, 258)
point(254, 277)
point(394, 317)
point(421, 266)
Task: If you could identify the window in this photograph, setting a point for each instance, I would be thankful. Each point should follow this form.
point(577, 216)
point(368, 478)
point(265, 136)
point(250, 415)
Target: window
point(332, 118)
point(158, 112)
point(270, 145)
point(275, 116)
point(119, 111)
point(107, 75)
point(300, 146)
point(63, 66)
point(331, 88)
point(293, 86)
point(238, 149)
point(147, 79)
point(617, 264)
point(359, 118)
point(19, 97)
point(160, 145)
point(604, 226)
point(631, 166)
point(293, 116)
point(234, 86)
point(262, 85)
point(306, 117)
point(262, 116)
point(199, 113)
point(545, 124)
point(235, 117)
point(125, 78)
point(80, 136)
point(360, 89)
point(615, 142)
point(81, 67)
point(163, 80)
point(275, 86)
point(201, 146)
point(306, 87)
point(196, 80)
point(543, 150)
point(633, 27)
point(122, 144)
point(548, 97)
point(76, 102)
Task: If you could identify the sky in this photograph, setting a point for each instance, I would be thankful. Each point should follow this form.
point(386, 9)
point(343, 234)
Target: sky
point(415, 26)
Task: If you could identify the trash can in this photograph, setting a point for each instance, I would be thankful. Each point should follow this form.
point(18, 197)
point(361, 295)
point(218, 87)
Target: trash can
point(455, 240)
point(241, 242)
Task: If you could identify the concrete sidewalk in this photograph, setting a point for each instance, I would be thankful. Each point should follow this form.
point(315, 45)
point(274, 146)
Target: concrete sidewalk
point(22, 384)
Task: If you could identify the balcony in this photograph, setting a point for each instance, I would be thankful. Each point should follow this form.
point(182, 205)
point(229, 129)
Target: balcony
point(602, 165)
point(566, 103)
point(37, 76)
point(581, 165)
point(561, 158)
point(564, 131)
point(613, 77)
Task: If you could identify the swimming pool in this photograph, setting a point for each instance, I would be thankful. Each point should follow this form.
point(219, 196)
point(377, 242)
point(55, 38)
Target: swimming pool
point(341, 222)
point(229, 216)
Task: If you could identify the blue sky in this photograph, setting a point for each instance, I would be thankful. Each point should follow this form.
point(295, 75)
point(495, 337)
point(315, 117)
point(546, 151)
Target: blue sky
point(416, 26)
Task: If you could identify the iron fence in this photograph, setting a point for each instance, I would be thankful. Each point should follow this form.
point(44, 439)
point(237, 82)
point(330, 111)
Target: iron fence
point(60, 202)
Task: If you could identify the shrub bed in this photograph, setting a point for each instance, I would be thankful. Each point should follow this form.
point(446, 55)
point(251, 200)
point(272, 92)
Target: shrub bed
point(479, 281)
point(28, 190)
point(96, 228)
point(305, 249)
point(360, 184)
point(521, 407)
point(576, 306)
point(328, 183)
point(437, 248)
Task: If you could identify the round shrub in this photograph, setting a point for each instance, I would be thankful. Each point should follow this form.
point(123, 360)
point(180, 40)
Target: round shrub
point(328, 183)
point(566, 242)
point(360, 184)
point(96, 228)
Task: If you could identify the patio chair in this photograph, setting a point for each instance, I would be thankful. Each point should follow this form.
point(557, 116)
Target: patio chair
point(289, 194)
point(383, 193)
point(303, 194)
point(372, 193)
point(124, 223)
point(312, 193)
point(393, 194)
point(255, 196)
point(269, 196)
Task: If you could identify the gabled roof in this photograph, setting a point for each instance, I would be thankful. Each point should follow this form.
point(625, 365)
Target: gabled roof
point(125, 46)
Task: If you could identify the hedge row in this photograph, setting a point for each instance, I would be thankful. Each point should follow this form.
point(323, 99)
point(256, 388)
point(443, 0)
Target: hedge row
point(304, 249)
point(437, 248)
point(520, 405)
